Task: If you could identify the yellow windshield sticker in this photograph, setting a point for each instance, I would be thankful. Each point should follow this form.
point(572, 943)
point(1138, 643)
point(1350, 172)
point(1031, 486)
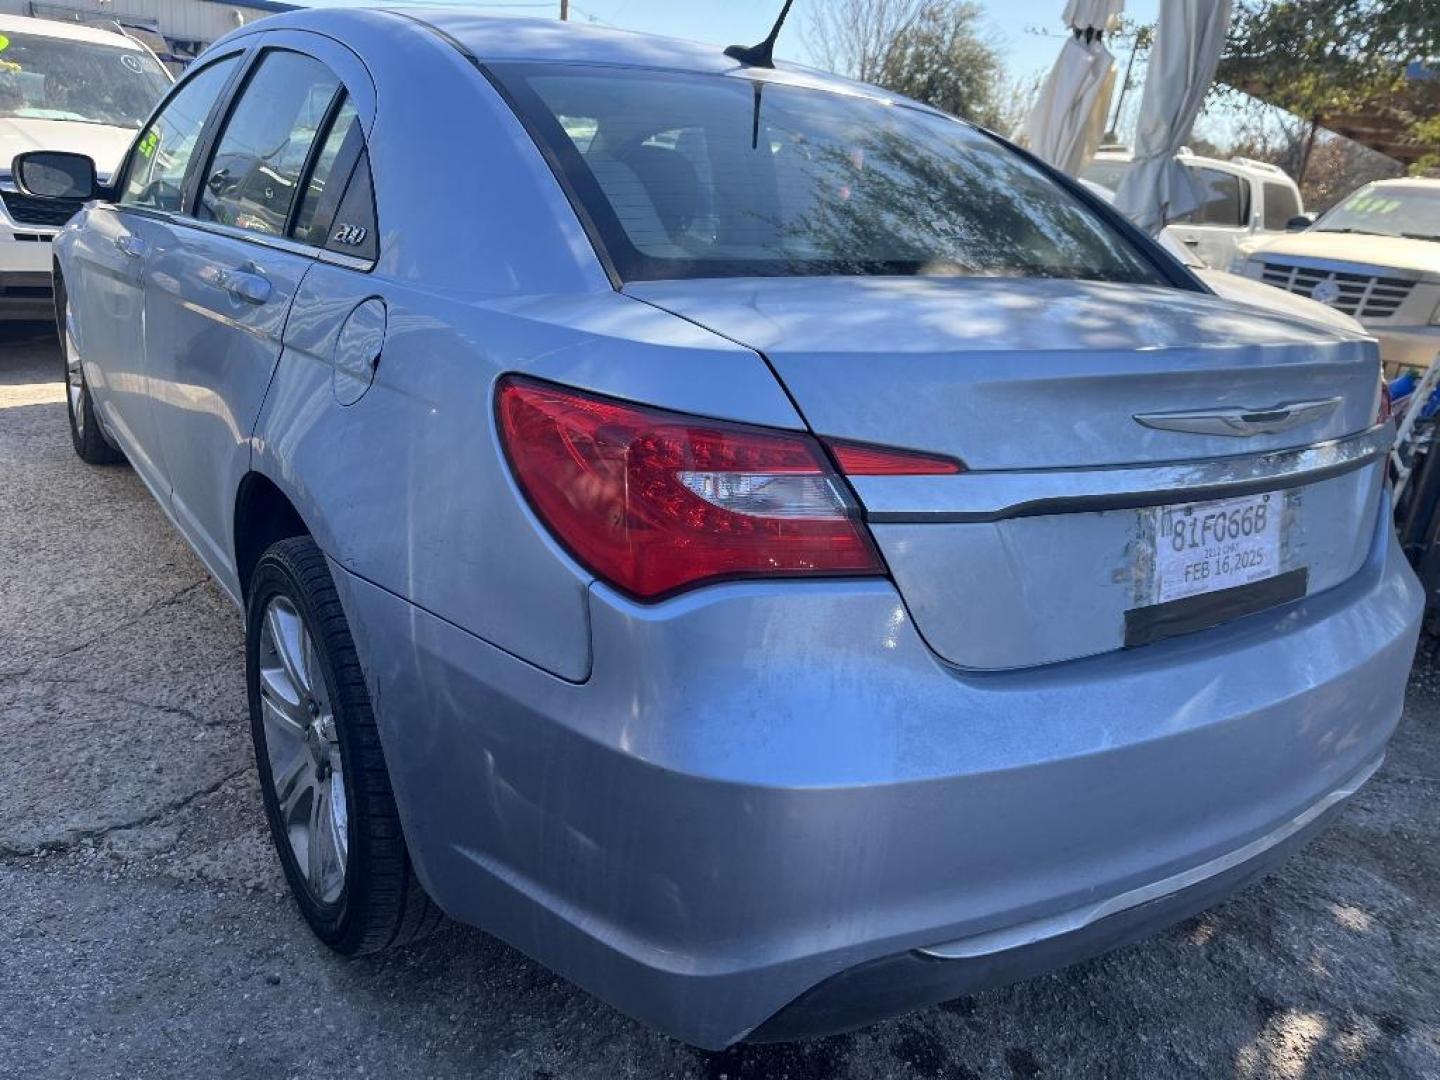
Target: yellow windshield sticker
point(148, 142)
point(4, 42)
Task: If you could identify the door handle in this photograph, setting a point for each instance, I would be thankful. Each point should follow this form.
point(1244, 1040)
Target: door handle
point(245, 285)
point(132, 245)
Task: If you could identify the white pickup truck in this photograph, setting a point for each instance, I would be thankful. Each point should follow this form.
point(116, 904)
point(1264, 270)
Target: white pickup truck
point(1245, 201)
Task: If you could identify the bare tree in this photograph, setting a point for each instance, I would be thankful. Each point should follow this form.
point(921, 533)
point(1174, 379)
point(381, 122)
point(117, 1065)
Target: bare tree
point(930, 50)
point(853, 37)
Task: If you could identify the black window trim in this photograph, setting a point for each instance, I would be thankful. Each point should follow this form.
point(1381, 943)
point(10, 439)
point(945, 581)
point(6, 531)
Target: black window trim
point(312, 156)
point(249, 56)
point(121, 179)
point(191, 205)
point(343, 172)
point(361, 160)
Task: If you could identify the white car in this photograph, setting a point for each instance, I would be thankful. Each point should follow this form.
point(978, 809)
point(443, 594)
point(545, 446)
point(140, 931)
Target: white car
point(62, 87)
point(1375, 256)
point(1245, 200)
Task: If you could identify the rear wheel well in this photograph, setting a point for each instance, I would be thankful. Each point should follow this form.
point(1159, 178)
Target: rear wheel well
point(263, 516)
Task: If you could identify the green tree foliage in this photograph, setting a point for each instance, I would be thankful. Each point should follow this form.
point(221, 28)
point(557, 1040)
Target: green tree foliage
point(1319, 58)
point(932, 50)
point(943, 60)
point(1329, 56)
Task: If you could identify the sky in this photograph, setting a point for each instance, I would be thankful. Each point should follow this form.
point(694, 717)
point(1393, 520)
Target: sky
point(726, 22)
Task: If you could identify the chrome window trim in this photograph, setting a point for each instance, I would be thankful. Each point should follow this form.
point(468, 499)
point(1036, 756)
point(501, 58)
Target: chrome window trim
point(995, 495)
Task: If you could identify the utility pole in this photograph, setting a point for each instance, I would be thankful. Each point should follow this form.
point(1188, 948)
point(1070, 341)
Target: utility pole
point(564, 10)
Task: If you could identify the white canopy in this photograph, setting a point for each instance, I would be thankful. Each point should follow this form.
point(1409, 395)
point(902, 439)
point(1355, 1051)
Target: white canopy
point(1092, 13)
point(1156, 189)
point(1068, 120)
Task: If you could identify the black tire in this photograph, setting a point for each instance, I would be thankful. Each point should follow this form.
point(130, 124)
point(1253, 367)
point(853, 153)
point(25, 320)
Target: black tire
point(89, 439)
point(381, 902)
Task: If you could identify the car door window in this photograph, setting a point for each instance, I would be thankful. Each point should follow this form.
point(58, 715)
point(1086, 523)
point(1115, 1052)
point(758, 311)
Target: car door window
point(1223, 198)
point(156, 177)
point(1281, 204)
point(322, 189)
point(254, 175)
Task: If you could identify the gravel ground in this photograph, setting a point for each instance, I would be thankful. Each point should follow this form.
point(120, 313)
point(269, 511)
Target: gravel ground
point(145, 931)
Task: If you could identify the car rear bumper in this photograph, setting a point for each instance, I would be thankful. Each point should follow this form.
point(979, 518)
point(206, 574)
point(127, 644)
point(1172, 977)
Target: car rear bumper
point(920, 977)
point(766, 794)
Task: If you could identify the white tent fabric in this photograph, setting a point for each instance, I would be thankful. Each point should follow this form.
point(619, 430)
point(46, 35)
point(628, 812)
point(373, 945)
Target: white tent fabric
point(1092, 13)
point(1156, 189)
point(1068, 119)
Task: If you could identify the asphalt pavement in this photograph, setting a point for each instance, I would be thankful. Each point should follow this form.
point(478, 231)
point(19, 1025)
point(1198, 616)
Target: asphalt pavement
point(145, 930)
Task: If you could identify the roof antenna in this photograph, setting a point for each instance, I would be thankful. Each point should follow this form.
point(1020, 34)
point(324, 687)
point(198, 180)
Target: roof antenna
point(760, 55)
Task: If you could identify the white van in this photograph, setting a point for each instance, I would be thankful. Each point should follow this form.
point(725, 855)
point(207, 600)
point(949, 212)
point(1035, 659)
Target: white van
point(62, 87)
point(1245, 200)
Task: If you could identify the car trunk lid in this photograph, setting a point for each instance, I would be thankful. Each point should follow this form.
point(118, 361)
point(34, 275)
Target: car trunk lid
point(1045, 546)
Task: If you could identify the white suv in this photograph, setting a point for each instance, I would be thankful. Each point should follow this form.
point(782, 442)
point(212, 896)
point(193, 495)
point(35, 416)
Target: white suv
point(1376, 256)
point(1244, 200)
point(62, 87)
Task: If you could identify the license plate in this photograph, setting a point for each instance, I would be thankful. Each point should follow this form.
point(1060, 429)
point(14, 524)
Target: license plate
point(1205, 547)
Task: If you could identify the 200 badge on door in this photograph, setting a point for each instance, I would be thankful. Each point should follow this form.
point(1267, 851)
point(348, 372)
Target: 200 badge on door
point(1205, 547)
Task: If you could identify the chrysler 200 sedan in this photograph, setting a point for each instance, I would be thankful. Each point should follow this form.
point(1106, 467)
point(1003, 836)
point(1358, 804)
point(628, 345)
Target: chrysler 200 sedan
point(774, 553)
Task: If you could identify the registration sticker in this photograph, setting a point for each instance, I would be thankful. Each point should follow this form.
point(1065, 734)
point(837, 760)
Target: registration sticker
point(1205, 547)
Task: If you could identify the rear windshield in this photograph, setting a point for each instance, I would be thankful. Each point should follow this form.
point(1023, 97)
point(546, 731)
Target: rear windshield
point(711, 176)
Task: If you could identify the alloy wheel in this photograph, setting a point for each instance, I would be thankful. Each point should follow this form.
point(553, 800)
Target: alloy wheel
point(303, 749)
point(74, 374)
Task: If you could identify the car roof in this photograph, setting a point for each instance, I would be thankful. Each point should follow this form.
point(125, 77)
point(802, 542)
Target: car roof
point(504, 39)
point(66, 31)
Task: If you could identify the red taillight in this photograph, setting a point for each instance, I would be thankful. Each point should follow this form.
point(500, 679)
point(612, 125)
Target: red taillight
point(862, 459)
point(654, 502)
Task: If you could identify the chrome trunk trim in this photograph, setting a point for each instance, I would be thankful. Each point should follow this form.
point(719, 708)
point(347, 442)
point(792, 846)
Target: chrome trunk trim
point(1240, 423)
point(994, 495)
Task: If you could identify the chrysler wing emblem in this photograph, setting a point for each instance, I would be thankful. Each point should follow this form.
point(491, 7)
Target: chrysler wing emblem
point(1240, 422)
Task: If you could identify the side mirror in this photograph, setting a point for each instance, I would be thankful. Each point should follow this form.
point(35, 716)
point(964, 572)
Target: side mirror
point(1299, 223)
point(55, 174)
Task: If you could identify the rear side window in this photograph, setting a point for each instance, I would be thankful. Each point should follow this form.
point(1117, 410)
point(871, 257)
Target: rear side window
point(1226, 199)
point(1281, 204)
point(253, 178)
point(156, 176)
point(704, 176)
point(328, 174)
point(354, 230)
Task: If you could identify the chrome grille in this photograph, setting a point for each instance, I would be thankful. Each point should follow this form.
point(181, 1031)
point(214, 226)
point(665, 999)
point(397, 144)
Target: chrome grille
point(1365, 296)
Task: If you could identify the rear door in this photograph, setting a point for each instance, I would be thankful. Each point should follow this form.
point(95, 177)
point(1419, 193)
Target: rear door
point(109, 258)
point(219, 284)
